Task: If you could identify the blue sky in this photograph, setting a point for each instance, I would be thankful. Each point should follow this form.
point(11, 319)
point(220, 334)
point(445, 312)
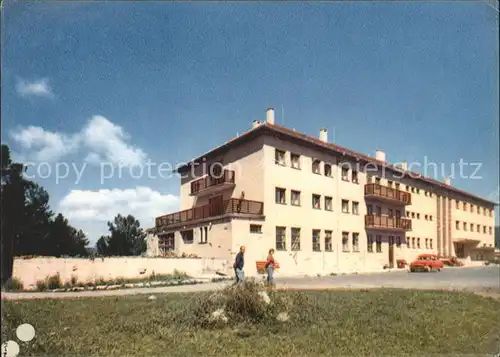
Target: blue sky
point(92, 82)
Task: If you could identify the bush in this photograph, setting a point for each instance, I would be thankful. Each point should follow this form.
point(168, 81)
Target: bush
point(41, 285)
point(54, 282)
point(14, 284)
point(248, 303)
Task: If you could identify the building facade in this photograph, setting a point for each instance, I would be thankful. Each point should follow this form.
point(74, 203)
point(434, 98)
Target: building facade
point(323, 208)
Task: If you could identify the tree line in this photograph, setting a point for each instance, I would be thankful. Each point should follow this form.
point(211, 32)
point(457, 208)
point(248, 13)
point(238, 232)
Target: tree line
point(30, 227)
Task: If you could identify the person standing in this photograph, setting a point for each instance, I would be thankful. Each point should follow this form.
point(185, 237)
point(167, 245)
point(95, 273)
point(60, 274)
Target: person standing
point(270, 266)
point(239, 264)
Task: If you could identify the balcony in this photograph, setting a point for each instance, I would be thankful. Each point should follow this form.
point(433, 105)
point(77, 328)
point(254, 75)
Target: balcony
point(230, 206)
point(387, 223)
point(210, 184)
point(377, 191)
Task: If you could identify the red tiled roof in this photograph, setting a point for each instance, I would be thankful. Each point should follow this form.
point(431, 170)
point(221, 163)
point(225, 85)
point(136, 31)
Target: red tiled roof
point(341, 150)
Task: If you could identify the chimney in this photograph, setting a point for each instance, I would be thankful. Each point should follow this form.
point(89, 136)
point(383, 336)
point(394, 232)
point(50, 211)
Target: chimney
point(404, 165)
point(323, 135)
point(380, 155)
point(255, 123)
point(447, 181)
point(270, 116)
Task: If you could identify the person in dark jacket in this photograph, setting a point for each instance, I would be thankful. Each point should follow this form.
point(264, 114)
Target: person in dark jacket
point(238, 266)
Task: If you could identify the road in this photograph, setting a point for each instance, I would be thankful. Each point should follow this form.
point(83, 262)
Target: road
point(449, 278)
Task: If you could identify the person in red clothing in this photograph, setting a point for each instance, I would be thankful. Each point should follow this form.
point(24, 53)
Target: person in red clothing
point(270, 263)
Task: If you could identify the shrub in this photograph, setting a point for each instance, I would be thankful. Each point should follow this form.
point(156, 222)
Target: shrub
point(41, 285)
point(74, 280)
point(14, 284)
point(242, 304)
point(54, 282)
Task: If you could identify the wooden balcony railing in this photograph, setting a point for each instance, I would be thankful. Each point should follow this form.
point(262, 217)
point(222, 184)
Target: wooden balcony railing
point(375, 189)
point(385, 222)
point(209, 181)
point(232, 205)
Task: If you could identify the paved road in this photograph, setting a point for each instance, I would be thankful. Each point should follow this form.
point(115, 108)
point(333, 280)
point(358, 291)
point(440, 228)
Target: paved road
point(448, 278)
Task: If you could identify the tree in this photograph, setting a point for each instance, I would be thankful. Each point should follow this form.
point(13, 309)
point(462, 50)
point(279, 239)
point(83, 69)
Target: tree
point(12, 191)
point(127, 238)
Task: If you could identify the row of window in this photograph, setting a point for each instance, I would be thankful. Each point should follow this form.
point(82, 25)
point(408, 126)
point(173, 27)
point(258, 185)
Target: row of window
point(410, 242)
point(427, 217)
point(295, 200)
point(471, 227)
point(486, 211)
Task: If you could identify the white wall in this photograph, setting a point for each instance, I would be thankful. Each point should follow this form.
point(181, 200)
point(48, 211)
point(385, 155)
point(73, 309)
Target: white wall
point(29, 271)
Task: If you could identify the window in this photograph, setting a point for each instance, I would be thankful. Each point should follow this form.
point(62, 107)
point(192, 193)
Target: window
point(418, 215)
point(369, 246)
point(295, 198)
point(316, 201)
point(202, 238)
point(426, 243)
point(430, 243)
point(328, 203)
point(465, 206)
point(389, 184)
point(407, 188)
point(413, 215)
point(328, 170)
point(426, 217)
point(295, 159)
point(280, 238)
point(378, 211)
point(465, 226)
point(478, 210)
point(345, 174)
point(471, 227)
point(430, 218)
point(379, 244)
point(408, 213)
point(413, 189)
point(457, 204)
point(328, 241)
point(166, 243)
point(397, 186)
point(408, 245)
point(457, 225)
point(355, 207)
point(354, 177)
point(490, 230)
point(187, 236)
point(471, 207)
point(484, 229)
point(377, 180)
point(369, 210)
point(345, 241)
point(418, 191)
point(478, 228)
point(279, 157)
point(280, 196)
point(430, 194)
point(390, 213)
point(398, 242)
point(255, 228)
point(295, 239)
point(315, 240)
point(413, 242)
point(355, 242)
point(484, 211)
point(418, 243)
point(316, 166)
point(425, 193)
point(345, 206)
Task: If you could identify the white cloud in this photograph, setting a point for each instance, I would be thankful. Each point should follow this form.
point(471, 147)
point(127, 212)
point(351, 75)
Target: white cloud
point(104, 140)
point(96, 207)
point(39, 88)
point(41, 145)
point(108, 143)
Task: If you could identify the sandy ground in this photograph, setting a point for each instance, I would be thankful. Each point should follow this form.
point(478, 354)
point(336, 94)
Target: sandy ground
point(484, 280)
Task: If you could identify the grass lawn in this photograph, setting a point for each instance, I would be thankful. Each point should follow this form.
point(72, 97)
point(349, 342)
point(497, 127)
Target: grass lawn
point(376, 323)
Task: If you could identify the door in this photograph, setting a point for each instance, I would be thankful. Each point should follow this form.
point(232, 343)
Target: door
point(216, 205)
point(391, 252)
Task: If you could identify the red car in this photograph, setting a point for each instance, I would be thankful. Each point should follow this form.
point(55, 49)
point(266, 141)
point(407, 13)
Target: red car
point(426, 262)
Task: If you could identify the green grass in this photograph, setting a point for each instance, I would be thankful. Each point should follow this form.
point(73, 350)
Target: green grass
point(374, 323)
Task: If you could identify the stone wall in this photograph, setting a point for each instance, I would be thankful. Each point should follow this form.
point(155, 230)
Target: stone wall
point(29, 271)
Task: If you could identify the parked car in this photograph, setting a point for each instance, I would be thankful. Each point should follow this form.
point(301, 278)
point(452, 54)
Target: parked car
point(426, 262)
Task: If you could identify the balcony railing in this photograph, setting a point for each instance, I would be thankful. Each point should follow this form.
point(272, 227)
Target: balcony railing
point(384, 192)
point(232, 205)
point(385, 222)
point(209, 181)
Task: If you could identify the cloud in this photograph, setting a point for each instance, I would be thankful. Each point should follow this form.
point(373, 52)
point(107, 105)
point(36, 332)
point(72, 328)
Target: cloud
point(103, 140)
point(38, 88)
point(100, 206)
point(108, 143)
point(41, 145)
